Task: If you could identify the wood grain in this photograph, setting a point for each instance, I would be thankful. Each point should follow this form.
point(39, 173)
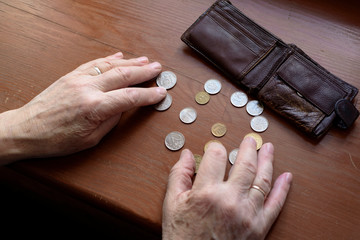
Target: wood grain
point(126, 174)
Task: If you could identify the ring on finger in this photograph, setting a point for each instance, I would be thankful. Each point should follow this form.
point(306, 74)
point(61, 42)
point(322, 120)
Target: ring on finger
point(97, 70)
point(256, 187)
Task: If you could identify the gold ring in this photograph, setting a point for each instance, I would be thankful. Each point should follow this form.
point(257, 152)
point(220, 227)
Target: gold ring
point(259, 189)
point(97, 70)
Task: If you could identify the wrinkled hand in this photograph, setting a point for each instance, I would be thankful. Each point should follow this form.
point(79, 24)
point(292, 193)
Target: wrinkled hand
point(211, 208)
point(77, 110)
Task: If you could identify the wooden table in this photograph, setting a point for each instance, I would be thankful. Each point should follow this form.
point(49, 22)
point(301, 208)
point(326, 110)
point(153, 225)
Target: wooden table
point(125, 176)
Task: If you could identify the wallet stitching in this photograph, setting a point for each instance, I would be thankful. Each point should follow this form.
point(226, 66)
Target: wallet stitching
point(248, 21)
point(323, 77)
point(246, 32)
point(238, 40)
point(251, 22)
point(248, 65)
point(276, 65)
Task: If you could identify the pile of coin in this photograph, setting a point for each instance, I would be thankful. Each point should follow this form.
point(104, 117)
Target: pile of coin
point(175, 140)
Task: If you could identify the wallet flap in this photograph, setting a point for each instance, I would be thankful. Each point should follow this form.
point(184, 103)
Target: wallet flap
point(223, 38)
point(347, 113)
point(311, 83)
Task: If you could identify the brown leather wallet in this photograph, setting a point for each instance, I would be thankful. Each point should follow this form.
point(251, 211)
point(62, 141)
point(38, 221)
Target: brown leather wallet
point(280, 75)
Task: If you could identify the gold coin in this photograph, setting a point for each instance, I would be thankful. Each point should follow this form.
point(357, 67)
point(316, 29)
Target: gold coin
point(257, 139)
point(218, 129)
point(207, 144)
point(198, 159)
point(202, 98)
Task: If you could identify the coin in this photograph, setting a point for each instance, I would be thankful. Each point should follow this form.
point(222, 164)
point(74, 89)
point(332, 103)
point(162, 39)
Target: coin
point(166, 79)
point(198, 159)
point(239, 99)
point(202, 97)
point(174, 141)
point(254, 108)
point(207, 144)
point(233, 155)
point(259, 124)
point(257, 139)
point(188, 115)
point(164, 104)
point(212, 86)
point(218, 129)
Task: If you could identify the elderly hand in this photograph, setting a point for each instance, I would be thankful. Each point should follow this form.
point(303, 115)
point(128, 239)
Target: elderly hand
point(77, 110)
point(211, 208)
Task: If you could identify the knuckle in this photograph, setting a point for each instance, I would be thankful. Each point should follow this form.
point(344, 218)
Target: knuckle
point(205, 197)
point(266, 182)
point(89, 141)
point(124, 73)
point(108, 65)
point(132, 96)
point(250, 167)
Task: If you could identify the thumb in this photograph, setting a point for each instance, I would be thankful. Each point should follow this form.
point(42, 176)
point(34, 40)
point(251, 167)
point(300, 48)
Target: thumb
point(124, 99)
point(180, 177)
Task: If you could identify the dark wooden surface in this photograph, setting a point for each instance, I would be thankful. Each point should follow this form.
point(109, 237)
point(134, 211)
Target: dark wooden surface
point(125, 176)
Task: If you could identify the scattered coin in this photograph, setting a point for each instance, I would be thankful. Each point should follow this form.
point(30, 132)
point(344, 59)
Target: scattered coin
point(207, 144)
point(166, 79)
point(254, 108)
point(164, 104)
point(212, 86)
point(188, 115)
point(239, 99)
point(198, 159)
point(233, 155)
point(202, 97)
point(174, 141)
point(257, 139)
point(218, 129)
point(259, 124)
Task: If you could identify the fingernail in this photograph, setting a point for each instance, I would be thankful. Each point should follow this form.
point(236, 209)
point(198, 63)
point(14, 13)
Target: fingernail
point(119, 55)
point(251, 140)
point(115, 56)
point(143, 59)
point(269, 148)
point(155, 65)
point(162, 91)
point(288, 177)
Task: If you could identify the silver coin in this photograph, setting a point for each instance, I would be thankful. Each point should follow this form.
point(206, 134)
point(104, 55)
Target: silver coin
point(254, 108)
point(188, 115)
point(166, 79)
point(259, 124)
point(212, 86)
point(233, 155)
point(239, 99)
point(164, 104)
point(174, 141)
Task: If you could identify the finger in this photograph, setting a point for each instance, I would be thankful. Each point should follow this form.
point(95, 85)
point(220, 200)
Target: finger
point(105, 64)
point(117, 55)
point(180, 177)
point(264, 173)
point(213, 165)
point(121, 77)
point(245, 167)
point(277, 197)
point(121, 100)
point(86, 65)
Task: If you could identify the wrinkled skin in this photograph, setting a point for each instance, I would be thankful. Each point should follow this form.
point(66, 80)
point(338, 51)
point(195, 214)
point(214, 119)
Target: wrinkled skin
point(211, 208)
point(77, 110)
